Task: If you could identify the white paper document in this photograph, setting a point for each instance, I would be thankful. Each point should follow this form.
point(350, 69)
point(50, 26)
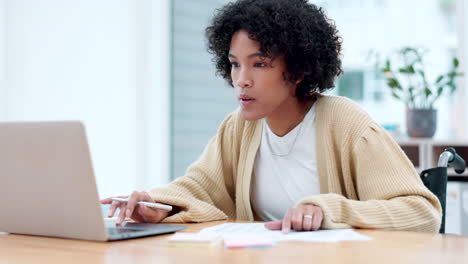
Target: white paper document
point(258, 230)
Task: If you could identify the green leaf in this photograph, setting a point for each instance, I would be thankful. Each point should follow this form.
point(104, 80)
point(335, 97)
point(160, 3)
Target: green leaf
point(455, 62)
point(440, 78)
point(408, 70)
point(427, 92)
point(440, 90)
point(452, 86)
point(393, 83)
point(396, 95)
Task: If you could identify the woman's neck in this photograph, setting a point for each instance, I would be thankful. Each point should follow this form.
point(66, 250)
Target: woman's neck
point(286, 117)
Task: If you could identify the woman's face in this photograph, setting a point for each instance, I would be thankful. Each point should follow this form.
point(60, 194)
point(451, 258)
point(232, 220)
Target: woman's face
point(258, 79)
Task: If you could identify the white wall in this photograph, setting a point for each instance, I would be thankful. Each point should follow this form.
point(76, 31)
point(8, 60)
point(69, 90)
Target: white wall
point(3, 102)
point(93, 61)
point(154, 24)
point(462, 103)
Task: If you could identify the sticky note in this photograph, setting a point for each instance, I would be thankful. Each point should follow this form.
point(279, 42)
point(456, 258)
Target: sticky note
point(251, 242)
point(194, 240)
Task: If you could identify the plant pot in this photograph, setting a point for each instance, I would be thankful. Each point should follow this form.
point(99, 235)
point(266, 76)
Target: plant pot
point(421, 122)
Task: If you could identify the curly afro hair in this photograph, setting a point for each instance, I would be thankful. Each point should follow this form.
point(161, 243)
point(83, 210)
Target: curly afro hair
point(298, 29)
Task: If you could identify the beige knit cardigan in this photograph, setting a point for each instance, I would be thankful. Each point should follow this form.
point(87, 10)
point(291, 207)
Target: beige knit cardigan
point(366, 180)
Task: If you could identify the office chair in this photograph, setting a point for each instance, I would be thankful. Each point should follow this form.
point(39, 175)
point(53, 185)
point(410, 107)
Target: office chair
point(435, 179)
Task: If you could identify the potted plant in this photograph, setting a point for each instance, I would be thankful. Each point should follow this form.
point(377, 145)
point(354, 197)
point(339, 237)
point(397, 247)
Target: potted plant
point(409, 83)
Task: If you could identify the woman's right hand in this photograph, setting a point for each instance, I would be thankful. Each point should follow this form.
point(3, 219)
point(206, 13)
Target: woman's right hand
point(137, 212)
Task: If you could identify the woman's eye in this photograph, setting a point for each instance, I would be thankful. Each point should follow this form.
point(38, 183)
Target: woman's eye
point(260, 64)
point(234, 64)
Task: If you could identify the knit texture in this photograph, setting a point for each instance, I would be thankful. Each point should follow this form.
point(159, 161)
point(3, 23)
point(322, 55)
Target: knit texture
point(366, 180)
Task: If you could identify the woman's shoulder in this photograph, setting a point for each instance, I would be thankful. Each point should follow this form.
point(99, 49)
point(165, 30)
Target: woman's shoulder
point(338, 102)
point(341, 118)
point(341, 108)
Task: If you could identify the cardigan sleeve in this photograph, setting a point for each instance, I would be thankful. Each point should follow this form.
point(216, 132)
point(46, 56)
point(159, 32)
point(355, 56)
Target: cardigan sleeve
point(390, 193)
point(206, 191)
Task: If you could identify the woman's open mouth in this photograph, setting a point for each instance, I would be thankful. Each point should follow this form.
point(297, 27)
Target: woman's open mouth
point(246, 100)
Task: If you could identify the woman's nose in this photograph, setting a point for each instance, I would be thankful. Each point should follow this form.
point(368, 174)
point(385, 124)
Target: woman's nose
point(244, 80)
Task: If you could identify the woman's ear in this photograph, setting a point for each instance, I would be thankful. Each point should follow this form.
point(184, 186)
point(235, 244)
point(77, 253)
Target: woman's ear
point(300, 79)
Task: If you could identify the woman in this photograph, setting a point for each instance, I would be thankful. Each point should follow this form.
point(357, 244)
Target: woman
point(289, 155)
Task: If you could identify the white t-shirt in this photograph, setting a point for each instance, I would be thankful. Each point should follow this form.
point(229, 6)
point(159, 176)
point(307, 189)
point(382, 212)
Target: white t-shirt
point(285, 169)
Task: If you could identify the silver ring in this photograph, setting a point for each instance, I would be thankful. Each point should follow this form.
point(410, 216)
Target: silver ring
point(308, 216)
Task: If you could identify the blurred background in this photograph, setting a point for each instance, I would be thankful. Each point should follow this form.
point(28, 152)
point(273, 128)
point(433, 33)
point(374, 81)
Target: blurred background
point(137, 73)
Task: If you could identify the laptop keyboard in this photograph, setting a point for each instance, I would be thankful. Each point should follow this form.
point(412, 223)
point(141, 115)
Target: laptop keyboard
point(120, 230)
point(131, 230)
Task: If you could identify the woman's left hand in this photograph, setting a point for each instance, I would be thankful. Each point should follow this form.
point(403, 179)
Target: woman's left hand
point(305, 217)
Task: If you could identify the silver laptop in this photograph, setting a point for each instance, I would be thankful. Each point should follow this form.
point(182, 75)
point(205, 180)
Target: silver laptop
point(47, 185)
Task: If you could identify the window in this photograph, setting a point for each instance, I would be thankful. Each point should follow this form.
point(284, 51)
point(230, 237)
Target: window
point(200, 100)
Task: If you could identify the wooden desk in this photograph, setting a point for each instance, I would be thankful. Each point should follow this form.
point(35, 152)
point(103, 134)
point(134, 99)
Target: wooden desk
point(386, 247)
